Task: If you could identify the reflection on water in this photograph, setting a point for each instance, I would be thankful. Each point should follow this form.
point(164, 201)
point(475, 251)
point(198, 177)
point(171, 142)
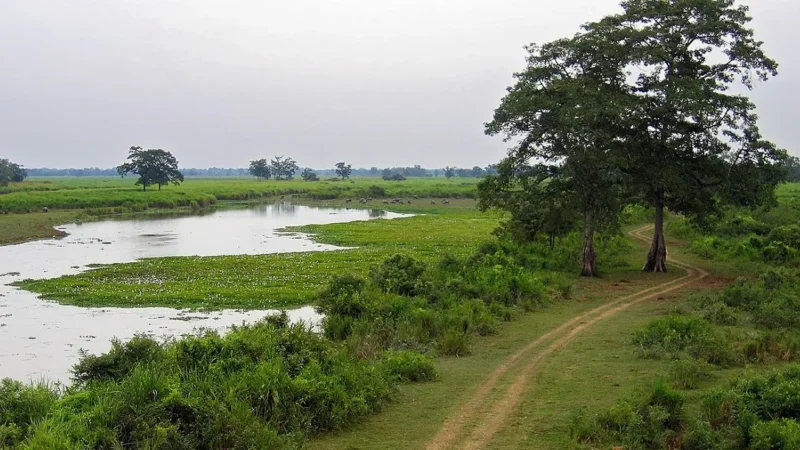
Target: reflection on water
point(41, 339)
point(377, 213)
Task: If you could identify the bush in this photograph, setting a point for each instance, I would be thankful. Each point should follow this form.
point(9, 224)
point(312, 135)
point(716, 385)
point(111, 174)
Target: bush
point(408, 366)
point(688, 373)
point(20, 407)
point(119, 361)
point(775, 435)
point(399, 274)
point(343, 296)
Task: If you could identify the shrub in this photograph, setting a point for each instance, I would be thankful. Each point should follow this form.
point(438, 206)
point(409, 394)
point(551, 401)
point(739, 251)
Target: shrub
point(408, 366)
point(688, 373)
point(454, 342)
point(399, 274)
point(343, 296)
point(775, 435)
point(119, 361)
point(20, 407)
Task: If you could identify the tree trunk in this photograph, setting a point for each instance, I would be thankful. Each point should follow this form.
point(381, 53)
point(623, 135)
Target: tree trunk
point(657, 256)
point(159, 186)
point(588, 256)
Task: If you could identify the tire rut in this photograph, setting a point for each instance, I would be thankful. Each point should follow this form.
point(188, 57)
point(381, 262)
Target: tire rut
point(492, 415)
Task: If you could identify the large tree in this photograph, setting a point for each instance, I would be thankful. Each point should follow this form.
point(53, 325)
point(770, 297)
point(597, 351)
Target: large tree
point(154, 167)
point(692, 142)
point(563, 112)
point(260, 169)
point(11, 172)
point(343, 170)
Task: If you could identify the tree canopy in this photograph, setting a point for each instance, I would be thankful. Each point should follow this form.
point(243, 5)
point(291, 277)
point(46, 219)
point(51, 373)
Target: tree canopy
point(563, 111)
point(283, 168)
point(343, 170)
point(641, 105)
point(154, 167)
point(693, 144)
point(308, 174)
point(260, 169)
point(11, 172)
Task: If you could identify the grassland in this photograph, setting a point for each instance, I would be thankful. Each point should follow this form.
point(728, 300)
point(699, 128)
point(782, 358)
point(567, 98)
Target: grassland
point(109, 195)
point(16, 228)
point(276, 280)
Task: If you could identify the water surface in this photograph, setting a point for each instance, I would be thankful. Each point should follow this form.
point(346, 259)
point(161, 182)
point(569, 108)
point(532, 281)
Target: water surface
point(42, 339)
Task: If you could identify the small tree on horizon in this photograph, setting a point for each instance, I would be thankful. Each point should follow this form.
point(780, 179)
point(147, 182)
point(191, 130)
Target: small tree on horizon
point(11, 172)
point(259, 168)
point(309, 175)
point(154, 167)
point(449, 172)
point(343, 170)
point(283, 168)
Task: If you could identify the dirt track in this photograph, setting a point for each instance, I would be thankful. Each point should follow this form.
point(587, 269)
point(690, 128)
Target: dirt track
point(480, 417)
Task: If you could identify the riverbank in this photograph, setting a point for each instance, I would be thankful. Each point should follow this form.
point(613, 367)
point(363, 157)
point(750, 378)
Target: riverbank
point(282, 279)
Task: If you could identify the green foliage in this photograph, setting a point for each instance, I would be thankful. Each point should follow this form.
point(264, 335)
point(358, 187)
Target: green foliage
point(688, 373)
point(775, 435)
point(283, 168)
point(399, 274)
point(650, 419)
point(154, 167)
point(343, 170)
point(21, 407)
point(408, 366)
point(261, 386)
point(11, 172)
point(309, 175)
point(119, 361)
point(410, 304)
point(260, 169)
point(673, 336)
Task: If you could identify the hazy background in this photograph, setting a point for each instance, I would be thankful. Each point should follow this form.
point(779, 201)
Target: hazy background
point(220, 82)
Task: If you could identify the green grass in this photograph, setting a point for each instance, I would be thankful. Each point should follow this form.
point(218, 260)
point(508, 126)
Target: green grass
point(104, 193)
point(16, 228)
point(275, 280)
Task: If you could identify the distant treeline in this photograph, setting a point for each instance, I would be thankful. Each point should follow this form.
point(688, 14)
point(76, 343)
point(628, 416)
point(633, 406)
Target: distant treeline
point(415, 171)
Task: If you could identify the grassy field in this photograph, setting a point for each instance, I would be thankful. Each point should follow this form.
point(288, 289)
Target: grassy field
point(108, 195)
point(276, 280)
point(16, 228)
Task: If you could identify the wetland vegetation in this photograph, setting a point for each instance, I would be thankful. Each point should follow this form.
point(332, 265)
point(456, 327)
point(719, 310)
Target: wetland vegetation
point(471, 314)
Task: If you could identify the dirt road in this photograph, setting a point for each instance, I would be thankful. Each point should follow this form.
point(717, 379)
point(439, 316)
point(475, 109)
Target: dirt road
point(473, 425)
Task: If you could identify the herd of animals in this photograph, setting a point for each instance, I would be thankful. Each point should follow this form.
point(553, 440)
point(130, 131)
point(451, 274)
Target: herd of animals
point(394, 201)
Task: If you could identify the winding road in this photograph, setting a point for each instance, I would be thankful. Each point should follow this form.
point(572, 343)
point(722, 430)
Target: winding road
point(474, 424)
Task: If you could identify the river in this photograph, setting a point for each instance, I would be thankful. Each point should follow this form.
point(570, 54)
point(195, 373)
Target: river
point(40, 340)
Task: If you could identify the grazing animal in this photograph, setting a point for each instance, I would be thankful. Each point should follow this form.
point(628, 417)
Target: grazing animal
point(409, 202)
point(348, 200)
point(416, 197)
point(385, 202)
point(433, 202)
point(45, 209)
point(445, 202)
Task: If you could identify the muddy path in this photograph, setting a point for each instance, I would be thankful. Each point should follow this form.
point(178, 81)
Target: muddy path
point(473, 425)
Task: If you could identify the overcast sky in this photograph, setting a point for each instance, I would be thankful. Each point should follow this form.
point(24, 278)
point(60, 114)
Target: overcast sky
point(221, 82)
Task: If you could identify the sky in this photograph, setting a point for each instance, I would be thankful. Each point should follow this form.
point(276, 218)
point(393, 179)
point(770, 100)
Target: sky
point(222, 82)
